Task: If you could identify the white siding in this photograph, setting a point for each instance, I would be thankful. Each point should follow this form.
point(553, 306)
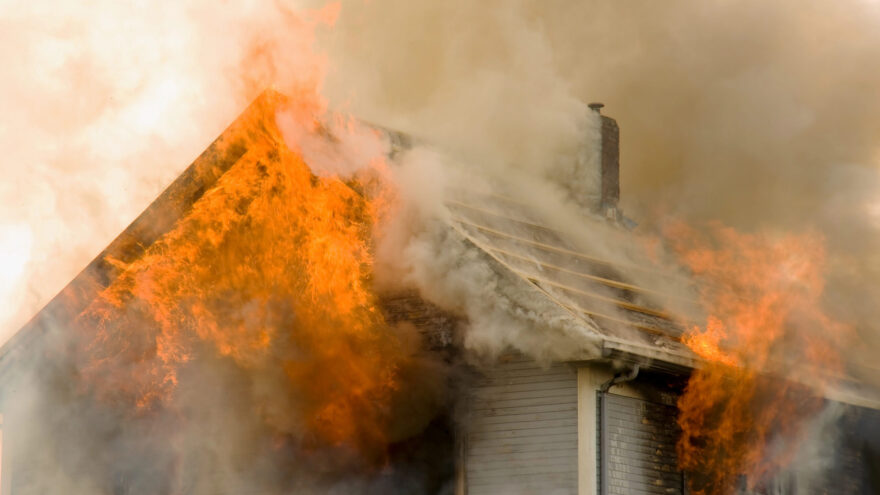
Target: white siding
point(522, 430)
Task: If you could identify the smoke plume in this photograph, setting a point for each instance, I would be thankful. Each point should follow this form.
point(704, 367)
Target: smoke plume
point(762, 117)
point(759, 115)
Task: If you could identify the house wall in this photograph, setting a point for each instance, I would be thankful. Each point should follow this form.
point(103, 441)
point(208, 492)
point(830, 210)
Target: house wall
point(643, 416)
point(641, 435)
point(522, 430)
point(531, 429)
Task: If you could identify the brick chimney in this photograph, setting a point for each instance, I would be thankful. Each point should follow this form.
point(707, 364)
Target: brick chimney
point(609, 164)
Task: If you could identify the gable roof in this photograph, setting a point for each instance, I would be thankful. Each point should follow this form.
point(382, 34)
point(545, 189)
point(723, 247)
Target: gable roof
point(566, 277)
point(626, 320)
point(158, 218)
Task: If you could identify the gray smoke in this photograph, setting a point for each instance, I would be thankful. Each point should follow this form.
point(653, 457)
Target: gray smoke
point(761, 116)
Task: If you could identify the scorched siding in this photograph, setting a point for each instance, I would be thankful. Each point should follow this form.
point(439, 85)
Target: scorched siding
point(637, 447)
point(522, 430)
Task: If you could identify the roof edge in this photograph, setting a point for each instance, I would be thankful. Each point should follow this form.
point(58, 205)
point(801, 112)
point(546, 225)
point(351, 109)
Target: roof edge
point(157, 219)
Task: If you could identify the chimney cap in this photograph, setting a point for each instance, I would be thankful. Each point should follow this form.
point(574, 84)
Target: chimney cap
point(596, 106)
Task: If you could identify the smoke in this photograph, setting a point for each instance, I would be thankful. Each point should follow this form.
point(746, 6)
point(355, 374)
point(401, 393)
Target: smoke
point(109, 104)
point(725, 111)
point(715, 98)
point(106, 104)
point(479, 80)
point(761, 116)
point(418, 248)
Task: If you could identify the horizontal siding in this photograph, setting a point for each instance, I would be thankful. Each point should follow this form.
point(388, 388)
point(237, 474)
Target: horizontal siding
point(522, 430)
point(526, 417)
point(637, 453)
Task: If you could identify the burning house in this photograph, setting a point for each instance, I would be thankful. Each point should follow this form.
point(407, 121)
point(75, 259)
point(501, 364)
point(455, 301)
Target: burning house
point(228, 342)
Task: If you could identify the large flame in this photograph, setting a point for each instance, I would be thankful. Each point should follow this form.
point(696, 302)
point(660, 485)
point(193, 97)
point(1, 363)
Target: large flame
point(271, 269)
point(768, 349)
point(110, 99)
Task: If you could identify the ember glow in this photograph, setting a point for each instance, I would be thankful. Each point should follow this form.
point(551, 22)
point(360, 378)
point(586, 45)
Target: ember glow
point(768, 348)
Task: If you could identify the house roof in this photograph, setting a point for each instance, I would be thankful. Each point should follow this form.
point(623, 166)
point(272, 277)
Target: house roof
point(635, 308)
point(583, 287)
point(233, 144)
point(620, 302)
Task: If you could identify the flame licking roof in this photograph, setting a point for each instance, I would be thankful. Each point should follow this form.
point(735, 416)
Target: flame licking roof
point(248, 272)
point(625, 304)
point(245, 219)
point(155, 221)
point(629, 319)
point(563, 282)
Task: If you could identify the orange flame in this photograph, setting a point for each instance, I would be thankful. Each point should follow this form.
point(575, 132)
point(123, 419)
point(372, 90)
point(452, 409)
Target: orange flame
point(271, 269)
point(765, 337)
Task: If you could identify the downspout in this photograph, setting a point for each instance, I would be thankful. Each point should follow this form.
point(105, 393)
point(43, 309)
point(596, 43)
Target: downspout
point(619, 378)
